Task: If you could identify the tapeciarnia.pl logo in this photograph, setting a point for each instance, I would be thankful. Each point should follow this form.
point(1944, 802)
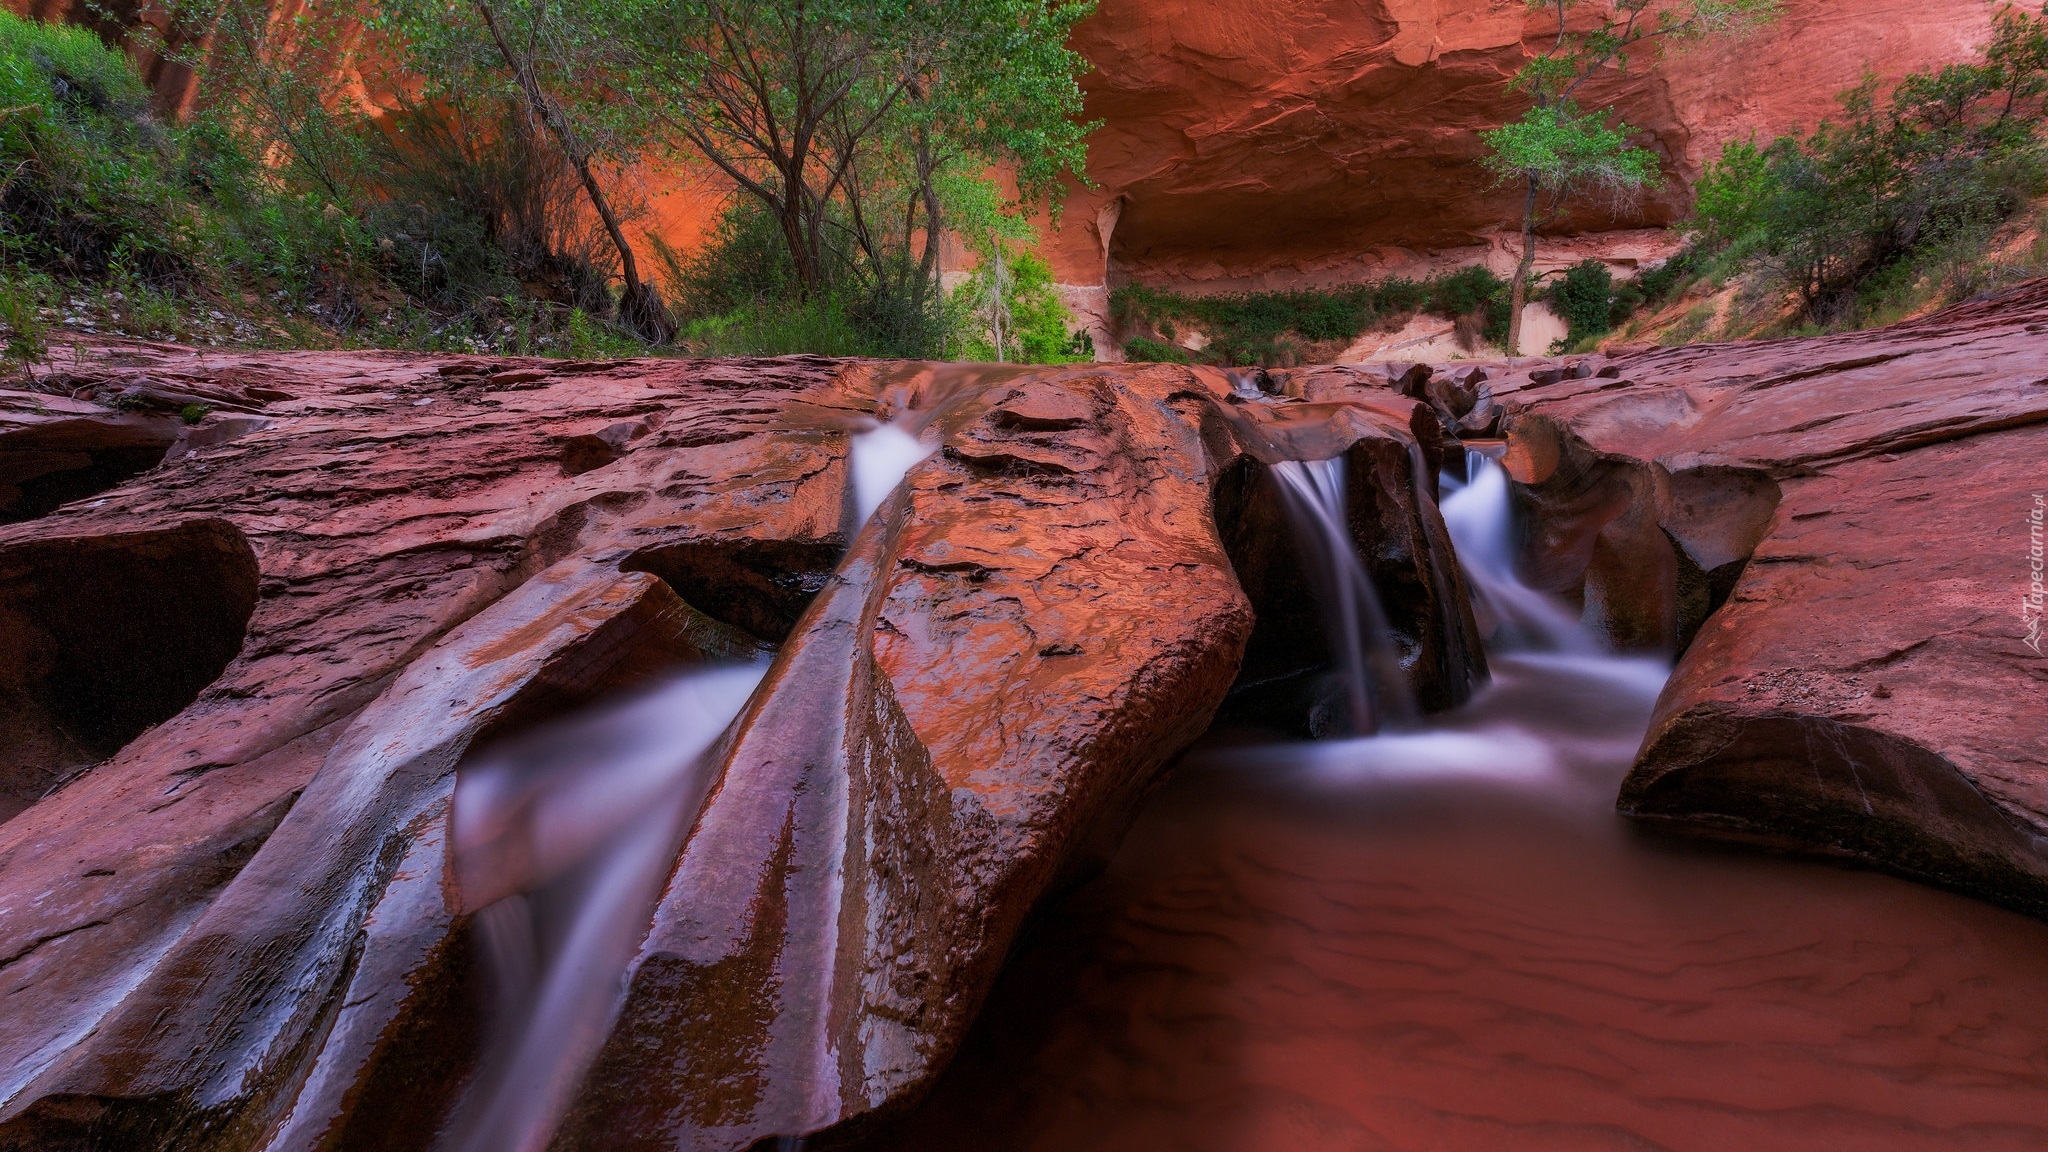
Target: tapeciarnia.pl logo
point(2035, 601)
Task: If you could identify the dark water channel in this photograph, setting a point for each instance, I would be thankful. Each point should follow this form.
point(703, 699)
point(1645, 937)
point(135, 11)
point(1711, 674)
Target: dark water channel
point(1447, 941)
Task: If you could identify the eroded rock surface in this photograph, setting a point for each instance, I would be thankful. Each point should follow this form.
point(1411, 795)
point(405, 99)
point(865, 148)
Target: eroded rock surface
point(238, 929)
point(241, 683)
point(1857, 508)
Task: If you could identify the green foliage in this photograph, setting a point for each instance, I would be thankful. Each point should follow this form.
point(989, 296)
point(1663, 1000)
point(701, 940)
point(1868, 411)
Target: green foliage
point(449, 230)
point(1861, 210)
point(1019, 292)
point(820, 324)
point(1567, 152)
point(742, 263)
point(739, 292)
point(856, 125)
point(1145, 350)
point(738, 295)
point(1559, 152)
point(1473, 291)
point(461, 218)
point(1274, 328)
point(1586, 299)
point(1657, 285)
point(194, 413)
point(90, 178)
point(25, 328)
point(1731, 200)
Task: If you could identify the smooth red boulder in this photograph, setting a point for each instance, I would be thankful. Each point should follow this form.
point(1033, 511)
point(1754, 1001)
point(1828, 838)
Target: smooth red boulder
point(1854, 511)
point(239, 928)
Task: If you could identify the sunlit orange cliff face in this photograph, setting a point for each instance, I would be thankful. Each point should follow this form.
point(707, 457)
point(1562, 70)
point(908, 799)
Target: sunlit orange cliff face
point(1268, 143)
point(1253, 142)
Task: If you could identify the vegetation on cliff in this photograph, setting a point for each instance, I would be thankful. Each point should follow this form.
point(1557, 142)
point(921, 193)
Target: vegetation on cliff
point(470, 175)
point(464, 177)
point(1559, 152)
point(1280, 329)
point(1894, 206)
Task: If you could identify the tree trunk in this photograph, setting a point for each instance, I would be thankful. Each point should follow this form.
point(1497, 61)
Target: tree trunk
point(1518, 295)
point(795, 237)
point(639, 307)
point(997, 309)
point(934, 227)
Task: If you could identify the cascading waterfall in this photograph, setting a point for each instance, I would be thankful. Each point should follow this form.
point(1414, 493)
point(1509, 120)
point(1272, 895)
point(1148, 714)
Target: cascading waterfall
point(1511, 614)
point(1376, 688)
point(880, 457)
point(562, 839)
point(1444, 937)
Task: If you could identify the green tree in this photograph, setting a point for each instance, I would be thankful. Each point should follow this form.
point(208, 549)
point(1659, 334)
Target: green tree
point(844, 118)
point(1558, 151)
point(1010, 309)
point(561, 62)
point(1894, 182)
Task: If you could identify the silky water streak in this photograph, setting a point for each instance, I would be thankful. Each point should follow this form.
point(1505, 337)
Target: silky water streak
point(563, 838)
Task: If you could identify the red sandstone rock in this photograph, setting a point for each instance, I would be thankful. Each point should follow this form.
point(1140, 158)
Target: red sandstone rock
point(1247, 142)
point(1859, 503)
point(236, 929)
point(54, 449)
point(379, 524)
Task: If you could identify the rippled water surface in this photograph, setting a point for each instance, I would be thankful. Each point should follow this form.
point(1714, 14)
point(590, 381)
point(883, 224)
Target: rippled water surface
point(1449, 942)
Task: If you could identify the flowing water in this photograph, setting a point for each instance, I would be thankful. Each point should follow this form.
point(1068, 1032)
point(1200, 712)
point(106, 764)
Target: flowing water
point(1377, 694)
point(1440, 937)
point(1445, 939)
point(879, 459)
point(562, 839)
point(1510, 613)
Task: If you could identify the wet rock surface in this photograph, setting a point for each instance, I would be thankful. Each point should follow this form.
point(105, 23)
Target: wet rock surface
point(228, 917)
point(1855, 512)
point(241, 683)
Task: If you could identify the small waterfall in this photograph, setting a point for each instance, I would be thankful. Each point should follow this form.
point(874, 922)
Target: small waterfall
point(562, 839)
point(1511, 613)
point(879, 459)
point(1376, 686)
point(1248, 384)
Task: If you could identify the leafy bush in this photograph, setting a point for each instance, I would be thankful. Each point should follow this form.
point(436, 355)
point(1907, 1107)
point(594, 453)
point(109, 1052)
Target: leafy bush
point(823, 325)
point(1585, 297)
point(90, 179)
point(738, 294)
point(451, 230)
point(1035, 319)
point(1858, 211)
point(743, 263)
point(1475, 292)
point(1274, 328)
point(1658, 284)
point(1144, 349)
point(23, 324)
